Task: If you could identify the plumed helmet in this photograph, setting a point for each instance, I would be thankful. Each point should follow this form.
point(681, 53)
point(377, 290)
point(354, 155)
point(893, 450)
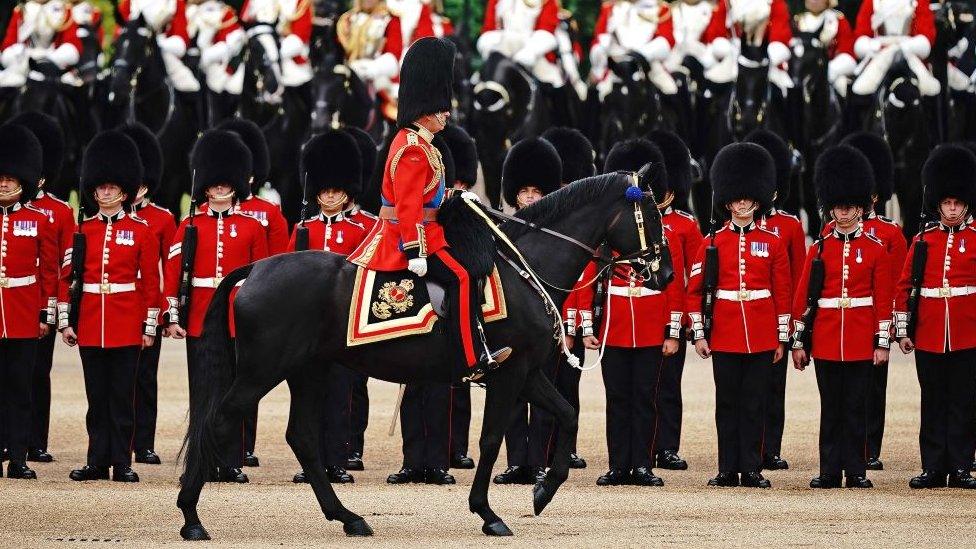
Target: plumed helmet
point(464, 153)
point(426, 79)
point(332, 161)
point(876, 149)
point(949, 172)
point(743, 170)
point(21, 158)
point(575, 151)
point(631, 155)
point(843, 177)
point(220, 156)
point(111, 157)
point(47, 130)
point(367, 151)
point(532, 162)
point(253, 137)
point(150, 154)
point(782, 159)
point(677, 160)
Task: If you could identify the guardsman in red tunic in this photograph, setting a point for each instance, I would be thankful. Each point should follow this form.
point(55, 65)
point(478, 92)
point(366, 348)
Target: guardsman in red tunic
point(163, 227)
point(532, 169)
point(119, 305)
point(936, 299)
point(226, 240)
point(751, 309)
point(408, 235)
point(28, 281)
point(47, 130)
point(790, 230)
point(687, 236)
point(842, 314)
point(642, 326)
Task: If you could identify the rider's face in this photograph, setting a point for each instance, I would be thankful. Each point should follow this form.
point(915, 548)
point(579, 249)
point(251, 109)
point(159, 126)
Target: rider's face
point(816, 6)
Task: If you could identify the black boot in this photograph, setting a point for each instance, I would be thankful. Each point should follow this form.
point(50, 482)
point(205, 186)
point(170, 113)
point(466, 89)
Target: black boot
point(439, 477)
point(859, 481)
point(644, 476)
point(38, 455)
point(538, 474)
point(486, 364)
point(124, 473)
point(614, 477)
point(20, 470)
point(405, 475)
point(874, 464)
point(961, 479)
point(928, 479)
point(338, 475)
point(355, 462)
point(725, 480)
point(299, 478)
point(148, 457)
point(754, 480)
point(671, 461)
point(514, 474)
point(576, 462)
point(825, 481)
point(230, 474)
point(251, 460)
point(461, 461)
point(774, 463)
point(89, 472)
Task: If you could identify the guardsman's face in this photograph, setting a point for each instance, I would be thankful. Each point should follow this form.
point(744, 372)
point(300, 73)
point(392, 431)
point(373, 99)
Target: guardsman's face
point(846, 216)
point(109, 194)
point(742, 208)
point(332, 200)
point(952, 211)
point(9, 187)
point(816, 6)
point(220, 196)
point(528, 196)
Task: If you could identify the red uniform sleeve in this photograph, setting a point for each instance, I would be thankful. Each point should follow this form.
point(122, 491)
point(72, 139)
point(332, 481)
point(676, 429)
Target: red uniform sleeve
point(862, 26)
point(277, 232)
point(228, 24)
point(693, 297)
point(65, 277)
point(924, 23)
point(796, 247)
point(425, 24)
point(177, 27)
point(675, 291)
point(171, 265)
point(692, 239)
point(803, 283)
point(904, 284)
point(586, 294)
point(169, 231)
point(148, 282)
point(69, 35)
point(548, 18)
point(844, 41)
point(884, 287)
point(412, 172)
point(259, 248)
point(782, 292)
point(779, 23)
point(66, 230)
point(898, 251)
point(302, 25)
point(717, 27)
point(491, 21)
point(49, 261)
point(10, 38)
point(394, 38)
point(665, 26)
point(291, 241)
point(601, 22)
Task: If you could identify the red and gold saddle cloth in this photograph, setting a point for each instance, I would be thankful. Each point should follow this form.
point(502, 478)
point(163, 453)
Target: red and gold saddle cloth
point(387, 305)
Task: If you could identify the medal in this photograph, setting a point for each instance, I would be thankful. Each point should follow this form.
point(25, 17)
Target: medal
point(962, 246)
point(859, 259)
point(339, 237)
point(233, 230)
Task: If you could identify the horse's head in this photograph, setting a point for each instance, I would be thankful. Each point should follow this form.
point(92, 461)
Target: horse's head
point(751, 90)
point(261, 62)
point(134, 46)
point(954, 20)
point(334, 89)
point(504, 96)
point(637, 230)
point(810, 56)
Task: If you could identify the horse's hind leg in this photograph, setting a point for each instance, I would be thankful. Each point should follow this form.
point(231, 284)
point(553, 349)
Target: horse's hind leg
point(304, 429)
point(539, 391)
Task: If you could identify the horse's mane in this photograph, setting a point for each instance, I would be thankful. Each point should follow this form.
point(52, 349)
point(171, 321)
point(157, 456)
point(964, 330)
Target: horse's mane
point(565, 201)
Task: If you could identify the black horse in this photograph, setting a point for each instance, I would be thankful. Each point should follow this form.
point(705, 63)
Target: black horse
point(291, 317)
point(340, 98)
point(631, 108)
point(755, 101)
point(956, 20)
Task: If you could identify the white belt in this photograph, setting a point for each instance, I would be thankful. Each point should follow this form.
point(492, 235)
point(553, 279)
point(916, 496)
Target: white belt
point(742, 295)
point(948, 291)
point(844, 302)
point(17, 281)
point(108, 288)
point(632, 291)
point(208, 282)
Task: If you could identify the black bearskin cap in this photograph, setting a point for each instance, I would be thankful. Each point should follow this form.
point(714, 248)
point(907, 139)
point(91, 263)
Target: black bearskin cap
point(220, 156)
point(632, 154)
point(21, 157)
point(150, 153)
point(743, 170)
point(782, 159)
point(450, 171)
point(575, 151)
point(253, 137)
point(426, 80)
point(112, 157)
point(367, 151)
point(843, 177)
point(677, 160)
point(332, 161)
point(532, 162)
point(47, 130)
point(464, 153)
point(949, 172)
point(876, 149)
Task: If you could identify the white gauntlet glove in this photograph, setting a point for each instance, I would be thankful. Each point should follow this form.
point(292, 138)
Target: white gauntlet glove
point(418, 266)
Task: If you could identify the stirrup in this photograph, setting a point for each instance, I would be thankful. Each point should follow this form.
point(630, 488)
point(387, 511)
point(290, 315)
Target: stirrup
point(487, 364)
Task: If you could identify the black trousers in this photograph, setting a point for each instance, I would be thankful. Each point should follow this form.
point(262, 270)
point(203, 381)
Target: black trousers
point(669, 403)
point(146, 396)
point(16, 378)
point(234, 454)
point(426, 426)
point(741, 381)
point(460, 412)
point(110, 376)
point(631, 377)
point(843, 387)
point(776, 408)
point(876, 399)
point(948, 383)
point(336, 424)
point(41, 394)
point(359, 412)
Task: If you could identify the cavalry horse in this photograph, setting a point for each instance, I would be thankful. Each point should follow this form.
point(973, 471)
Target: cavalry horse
point(632, 107)
point(291, 318)
point(956, 20)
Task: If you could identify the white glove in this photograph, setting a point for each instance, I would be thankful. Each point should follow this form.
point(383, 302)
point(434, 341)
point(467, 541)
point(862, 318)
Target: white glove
point(471, 196)
point(918, 46)
point(598, 58)
point(64, 56)
point(721, 48)
point(656, 50)
point(842, 65)
point(172, 45)
point(218, 54)
point(526, 57)
point(778, 53)
point(13, 54)
point(418, 266)
point(865, 46)
point(291, 46)
point(959, 49)
point(363, 68)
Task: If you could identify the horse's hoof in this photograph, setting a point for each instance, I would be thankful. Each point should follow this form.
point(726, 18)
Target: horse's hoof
point(357, 528)
point(497, 528)
point(540, 498)
point(194, 532)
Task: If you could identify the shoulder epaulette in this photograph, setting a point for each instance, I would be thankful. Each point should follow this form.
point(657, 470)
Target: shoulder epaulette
point(787, 214)
point(683, 213)
point(767, 231)
point(158, 207)
point(366, 214)
point(874, 239)
point(138, 219)
point(37, 210)
point(888, 220)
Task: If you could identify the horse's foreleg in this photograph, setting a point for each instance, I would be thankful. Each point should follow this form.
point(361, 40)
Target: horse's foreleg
point(539, 391)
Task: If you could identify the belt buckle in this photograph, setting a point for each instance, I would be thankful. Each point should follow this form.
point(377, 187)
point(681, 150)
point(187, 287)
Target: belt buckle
point(4, 282)
point(216, 281)
point(945, 291)
point(105, 288)
point(845, 303)
point(743, 295)
point(634, 291)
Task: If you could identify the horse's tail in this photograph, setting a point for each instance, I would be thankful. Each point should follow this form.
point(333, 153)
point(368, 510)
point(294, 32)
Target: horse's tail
point(215, 356)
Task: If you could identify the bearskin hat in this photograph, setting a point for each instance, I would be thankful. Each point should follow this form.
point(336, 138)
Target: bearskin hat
point(949, 172)
point(150, 153)
point(112, 157)
point(220, 156)
point(332, 161)
point(464, 153)
point(782, 159)
point(21, 157)
point(876, 149)
point(677, 160)
point(631, 155)
point(843, 177)
point(743, 170)
point(47, 130)
point(253, 137)
point(532, 162)
point(575, 151)
point(450, 170)
point(426, 80)
point(367, 151)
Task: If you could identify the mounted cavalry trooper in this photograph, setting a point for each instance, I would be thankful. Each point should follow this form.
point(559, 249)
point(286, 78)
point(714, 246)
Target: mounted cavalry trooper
point(408, 235)
point(842, 315)
point(935, 316)
point(373, 42)
point(217, 37)
point(167, 19)
point(689, 21)
point(287, 21)
point(39, 30)
point(887, 30)
point(641, 26)
point(642, 327)
point(750, 22)
point(162, 224)
point(117, 308)
point(91, 36)
point(28, 283)
point(836, 35)
point(739, 305)
point(532, 169)
point(225, 240)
